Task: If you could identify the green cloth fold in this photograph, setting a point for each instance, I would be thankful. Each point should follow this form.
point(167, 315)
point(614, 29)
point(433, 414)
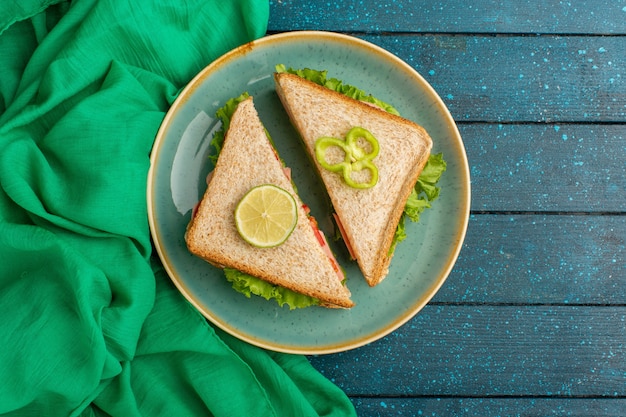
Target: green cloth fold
point(91, 324)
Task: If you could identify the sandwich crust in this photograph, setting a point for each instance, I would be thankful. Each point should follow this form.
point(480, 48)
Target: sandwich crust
point(246, 160)
point(368, 216)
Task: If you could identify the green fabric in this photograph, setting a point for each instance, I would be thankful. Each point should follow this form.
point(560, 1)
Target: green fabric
point(90, 323)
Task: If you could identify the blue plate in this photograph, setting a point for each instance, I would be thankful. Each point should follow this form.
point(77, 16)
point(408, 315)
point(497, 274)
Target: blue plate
point(177, 181)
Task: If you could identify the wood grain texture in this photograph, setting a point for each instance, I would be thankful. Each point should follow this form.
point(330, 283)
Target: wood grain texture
point(556, 167)
point(456, 16)
point(480, 407)
point(483, 351)
point(543, 79)
point(540, 259)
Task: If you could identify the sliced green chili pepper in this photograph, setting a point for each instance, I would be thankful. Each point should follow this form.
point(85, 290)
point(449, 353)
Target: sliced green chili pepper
point(356, 157)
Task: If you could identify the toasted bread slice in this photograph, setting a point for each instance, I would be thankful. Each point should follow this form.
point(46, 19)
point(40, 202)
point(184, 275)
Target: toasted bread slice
point(246, 160)
point(369, 217)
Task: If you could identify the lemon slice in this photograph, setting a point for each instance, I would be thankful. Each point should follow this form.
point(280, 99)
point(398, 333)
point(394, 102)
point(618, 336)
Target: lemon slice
point(266, 216)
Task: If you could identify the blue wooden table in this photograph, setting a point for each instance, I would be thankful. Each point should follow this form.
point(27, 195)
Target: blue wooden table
point(532, 320)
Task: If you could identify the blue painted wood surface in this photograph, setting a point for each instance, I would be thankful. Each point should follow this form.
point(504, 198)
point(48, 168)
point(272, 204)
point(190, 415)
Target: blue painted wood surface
point(453, 16)
point(532, 319)
point(543, 79)
point(558, 167)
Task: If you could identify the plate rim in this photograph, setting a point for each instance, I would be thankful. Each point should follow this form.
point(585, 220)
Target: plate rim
point(242, 51)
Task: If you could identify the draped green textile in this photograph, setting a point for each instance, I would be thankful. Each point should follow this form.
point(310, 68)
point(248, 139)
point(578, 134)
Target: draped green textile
point(90, 324)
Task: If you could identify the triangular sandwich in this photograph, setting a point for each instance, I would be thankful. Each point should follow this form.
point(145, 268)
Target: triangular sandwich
point(367, 217)
point(300, 264)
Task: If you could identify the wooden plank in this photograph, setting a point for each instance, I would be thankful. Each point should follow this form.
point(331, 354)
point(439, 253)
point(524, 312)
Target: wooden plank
point(491, 351)
point(520, 78)
point(540, 259)
point(455, 16)
point(480, 407)
point(538, 167)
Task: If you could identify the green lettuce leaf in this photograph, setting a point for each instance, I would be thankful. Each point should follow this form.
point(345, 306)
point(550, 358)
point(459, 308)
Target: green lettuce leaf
point(320, 77)
point(424, 193)
point(425, 190)
point(248, 284)
point(224, 113)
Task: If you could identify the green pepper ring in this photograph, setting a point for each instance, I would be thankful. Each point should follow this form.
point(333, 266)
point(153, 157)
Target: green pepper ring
point(355, 158)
